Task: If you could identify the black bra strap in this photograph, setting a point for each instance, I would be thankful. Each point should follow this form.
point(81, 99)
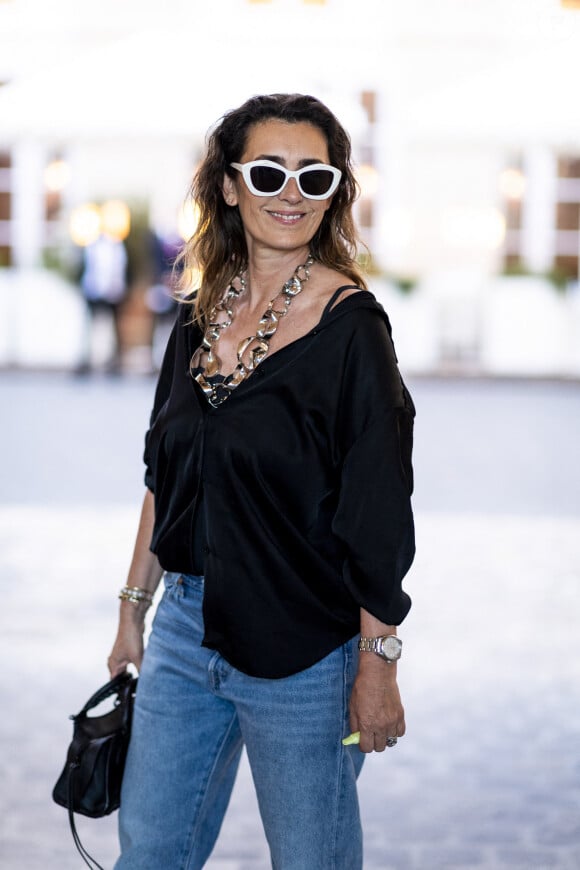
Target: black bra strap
point(335, 296)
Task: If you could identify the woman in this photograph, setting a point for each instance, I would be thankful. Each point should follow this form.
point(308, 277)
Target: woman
point(278, 506)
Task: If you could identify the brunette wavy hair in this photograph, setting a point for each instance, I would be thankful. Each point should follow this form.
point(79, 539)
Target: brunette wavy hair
point(218, 247)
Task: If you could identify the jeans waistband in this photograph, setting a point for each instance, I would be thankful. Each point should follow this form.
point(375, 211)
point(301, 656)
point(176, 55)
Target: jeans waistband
point(194, 581)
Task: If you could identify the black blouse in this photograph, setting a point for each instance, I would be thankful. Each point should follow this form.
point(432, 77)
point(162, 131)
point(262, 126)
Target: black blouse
point(304, 476)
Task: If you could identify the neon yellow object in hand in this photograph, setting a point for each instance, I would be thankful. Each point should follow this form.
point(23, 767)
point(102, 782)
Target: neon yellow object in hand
point(351, 739)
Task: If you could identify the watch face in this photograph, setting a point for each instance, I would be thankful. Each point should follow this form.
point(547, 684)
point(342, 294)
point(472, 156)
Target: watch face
point(391, 648)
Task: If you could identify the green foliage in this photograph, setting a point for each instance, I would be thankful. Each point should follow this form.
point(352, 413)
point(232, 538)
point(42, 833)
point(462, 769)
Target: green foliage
point(404, 283)
point(556, 277)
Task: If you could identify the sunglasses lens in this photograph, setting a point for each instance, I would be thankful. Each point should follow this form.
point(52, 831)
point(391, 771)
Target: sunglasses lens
point(316, 182)
point(266, 178)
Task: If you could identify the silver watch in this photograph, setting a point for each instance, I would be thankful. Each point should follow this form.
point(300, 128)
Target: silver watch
point(388, 646)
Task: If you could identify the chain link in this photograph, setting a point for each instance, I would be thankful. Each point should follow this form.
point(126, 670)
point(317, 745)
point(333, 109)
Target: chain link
point(206, 363)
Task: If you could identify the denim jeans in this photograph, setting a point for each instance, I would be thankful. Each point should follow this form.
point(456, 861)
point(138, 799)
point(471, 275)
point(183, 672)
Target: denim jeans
point(193, 714)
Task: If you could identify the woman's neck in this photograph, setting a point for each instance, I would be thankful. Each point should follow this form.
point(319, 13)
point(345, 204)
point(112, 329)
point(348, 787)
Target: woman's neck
point(266, 275)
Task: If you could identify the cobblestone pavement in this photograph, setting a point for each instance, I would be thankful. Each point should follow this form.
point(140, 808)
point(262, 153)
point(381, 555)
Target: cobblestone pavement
point(488, 775)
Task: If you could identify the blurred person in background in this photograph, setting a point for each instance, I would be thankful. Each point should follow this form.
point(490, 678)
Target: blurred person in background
point(277, 508)
point(104, 284)
point(160, 296)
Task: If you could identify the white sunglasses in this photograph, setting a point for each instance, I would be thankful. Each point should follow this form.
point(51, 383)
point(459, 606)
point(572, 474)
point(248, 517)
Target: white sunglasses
point(266, 178)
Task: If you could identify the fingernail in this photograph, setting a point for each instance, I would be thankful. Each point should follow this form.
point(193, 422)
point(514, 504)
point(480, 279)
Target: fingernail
point(351, 739)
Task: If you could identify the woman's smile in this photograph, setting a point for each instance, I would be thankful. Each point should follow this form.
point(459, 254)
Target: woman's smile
point(289, 218)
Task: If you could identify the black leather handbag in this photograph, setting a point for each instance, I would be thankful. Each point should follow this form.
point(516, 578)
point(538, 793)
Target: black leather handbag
point(90, 782)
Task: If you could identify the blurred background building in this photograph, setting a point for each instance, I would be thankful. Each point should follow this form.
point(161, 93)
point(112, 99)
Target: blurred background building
point(466, 137)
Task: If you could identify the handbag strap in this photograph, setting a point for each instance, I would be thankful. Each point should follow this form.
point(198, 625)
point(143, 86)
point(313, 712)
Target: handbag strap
point(115, 686)
point(88, 859)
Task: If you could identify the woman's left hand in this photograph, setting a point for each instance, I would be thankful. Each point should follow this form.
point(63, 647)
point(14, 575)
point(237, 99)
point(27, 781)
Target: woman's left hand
point(375, 704)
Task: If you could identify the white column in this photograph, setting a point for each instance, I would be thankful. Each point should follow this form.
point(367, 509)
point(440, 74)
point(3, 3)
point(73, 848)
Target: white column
point(539, 217)
point(392, 233)
point(28, 203)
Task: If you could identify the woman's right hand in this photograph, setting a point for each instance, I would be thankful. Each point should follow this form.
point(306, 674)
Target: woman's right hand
point(128, 646)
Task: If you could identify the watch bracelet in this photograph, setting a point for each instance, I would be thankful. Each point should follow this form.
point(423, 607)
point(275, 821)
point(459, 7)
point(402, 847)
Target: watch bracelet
point(371, 644)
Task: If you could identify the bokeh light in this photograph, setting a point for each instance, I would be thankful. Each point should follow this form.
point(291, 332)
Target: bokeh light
point(116, 219)
point(85, 224)
point(187, 220)
point(512, 183)
point(473, 227)
point(57, 175)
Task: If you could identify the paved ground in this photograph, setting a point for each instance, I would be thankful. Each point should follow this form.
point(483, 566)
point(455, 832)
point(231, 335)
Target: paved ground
point(488, 775)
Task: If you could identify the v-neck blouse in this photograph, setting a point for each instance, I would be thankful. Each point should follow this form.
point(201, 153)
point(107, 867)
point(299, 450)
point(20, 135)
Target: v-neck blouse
point(305, 479)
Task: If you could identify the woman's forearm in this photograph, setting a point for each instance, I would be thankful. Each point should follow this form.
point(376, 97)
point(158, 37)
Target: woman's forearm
point(375, 705)
point(145, 570)
point(370, 626)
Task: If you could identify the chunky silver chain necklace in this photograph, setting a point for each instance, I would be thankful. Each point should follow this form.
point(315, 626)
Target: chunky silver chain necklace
point(206, 363)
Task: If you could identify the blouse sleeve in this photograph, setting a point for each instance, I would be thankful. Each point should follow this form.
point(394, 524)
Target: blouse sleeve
point(162, 391)
point(374, 518)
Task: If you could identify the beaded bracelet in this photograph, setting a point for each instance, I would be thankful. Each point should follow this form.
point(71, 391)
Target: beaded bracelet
point(136, 595)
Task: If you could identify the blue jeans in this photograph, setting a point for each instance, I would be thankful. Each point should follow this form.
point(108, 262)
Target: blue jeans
point(193, 714)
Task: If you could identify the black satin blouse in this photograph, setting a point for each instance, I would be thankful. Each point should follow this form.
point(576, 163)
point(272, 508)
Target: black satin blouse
point(305, 479)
